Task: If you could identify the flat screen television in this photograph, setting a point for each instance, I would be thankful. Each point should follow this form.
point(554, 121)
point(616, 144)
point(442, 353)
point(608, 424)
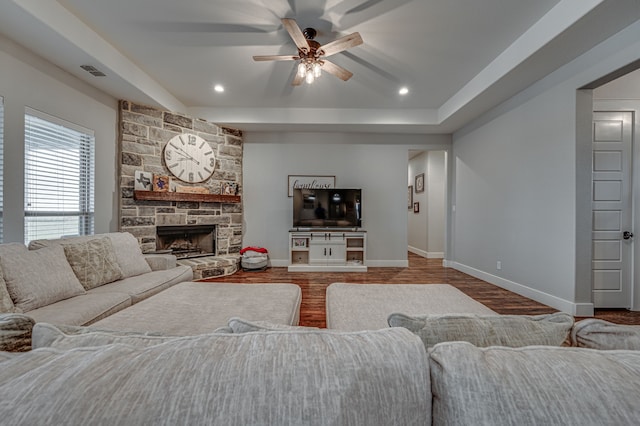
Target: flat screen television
point(327, 208)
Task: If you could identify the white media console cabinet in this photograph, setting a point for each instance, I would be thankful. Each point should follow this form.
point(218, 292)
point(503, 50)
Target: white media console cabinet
point(327, 250)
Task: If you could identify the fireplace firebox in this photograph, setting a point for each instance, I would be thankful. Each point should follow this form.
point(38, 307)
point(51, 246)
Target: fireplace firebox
point(184, 241)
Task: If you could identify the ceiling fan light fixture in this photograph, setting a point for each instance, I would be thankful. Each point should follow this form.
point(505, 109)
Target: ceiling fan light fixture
point(309, 77)
point(317, 69)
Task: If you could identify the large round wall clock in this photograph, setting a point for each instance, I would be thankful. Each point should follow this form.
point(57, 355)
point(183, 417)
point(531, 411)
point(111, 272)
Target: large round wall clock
point(189, 158)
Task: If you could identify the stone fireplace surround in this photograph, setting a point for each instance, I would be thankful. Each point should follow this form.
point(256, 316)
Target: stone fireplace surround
point(143, 133)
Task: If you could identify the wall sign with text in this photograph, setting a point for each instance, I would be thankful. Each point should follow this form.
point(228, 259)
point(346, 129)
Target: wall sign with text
point(310, 182)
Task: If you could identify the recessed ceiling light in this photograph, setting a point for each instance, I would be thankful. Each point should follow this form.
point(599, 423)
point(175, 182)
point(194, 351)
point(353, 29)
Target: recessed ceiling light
point(403, 90)
point(218, 88)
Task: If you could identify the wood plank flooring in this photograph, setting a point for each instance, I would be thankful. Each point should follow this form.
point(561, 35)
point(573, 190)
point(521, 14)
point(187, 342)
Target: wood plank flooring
point(420, 271)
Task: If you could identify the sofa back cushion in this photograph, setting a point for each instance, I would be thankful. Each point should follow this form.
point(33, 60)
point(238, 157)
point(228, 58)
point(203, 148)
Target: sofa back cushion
point(128, 252)
point(289, 377)
point(94, 262)
point(534, 385)
point(599, 334)
point(39, 278)
point(46, 335)
point(488, 330)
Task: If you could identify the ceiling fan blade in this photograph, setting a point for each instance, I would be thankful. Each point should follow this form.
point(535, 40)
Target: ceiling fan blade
point(336, 70)
point(341, 44)
point(276, 58)
point(296, 33)
point(297, 80)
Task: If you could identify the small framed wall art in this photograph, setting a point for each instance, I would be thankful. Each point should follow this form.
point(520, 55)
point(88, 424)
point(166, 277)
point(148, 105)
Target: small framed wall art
point(416, 207)
point(419, 183)
point(410, 197)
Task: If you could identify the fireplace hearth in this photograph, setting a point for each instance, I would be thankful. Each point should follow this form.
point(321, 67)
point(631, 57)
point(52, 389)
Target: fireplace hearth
point(186, 241)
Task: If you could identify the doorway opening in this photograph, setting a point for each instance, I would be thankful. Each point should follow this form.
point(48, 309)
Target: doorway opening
point(426, 203)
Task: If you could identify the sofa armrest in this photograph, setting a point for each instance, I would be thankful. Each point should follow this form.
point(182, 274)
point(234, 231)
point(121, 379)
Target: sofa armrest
point(160, 262)
point(15, 332)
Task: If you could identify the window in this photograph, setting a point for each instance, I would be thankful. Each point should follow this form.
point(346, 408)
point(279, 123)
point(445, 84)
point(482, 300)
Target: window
point(59, 178)
point(1, 167)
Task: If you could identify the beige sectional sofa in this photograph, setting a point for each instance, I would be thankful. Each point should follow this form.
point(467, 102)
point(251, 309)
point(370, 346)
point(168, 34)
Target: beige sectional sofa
point(256, 373)
point(77, 281)
point(105, 281)
point(80, 280)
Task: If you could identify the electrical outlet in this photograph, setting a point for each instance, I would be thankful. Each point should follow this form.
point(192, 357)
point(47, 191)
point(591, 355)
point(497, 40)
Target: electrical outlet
point(498, 265)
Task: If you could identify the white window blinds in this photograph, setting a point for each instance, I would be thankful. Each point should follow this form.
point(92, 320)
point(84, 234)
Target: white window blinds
point(59, 178)
point(1, 168)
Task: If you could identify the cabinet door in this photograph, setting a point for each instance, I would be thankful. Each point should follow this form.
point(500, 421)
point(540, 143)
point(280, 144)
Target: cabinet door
point(336, 253)
point(317, 254)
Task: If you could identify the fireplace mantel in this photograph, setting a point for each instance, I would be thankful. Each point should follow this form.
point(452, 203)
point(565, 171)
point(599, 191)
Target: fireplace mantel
point(185, 196)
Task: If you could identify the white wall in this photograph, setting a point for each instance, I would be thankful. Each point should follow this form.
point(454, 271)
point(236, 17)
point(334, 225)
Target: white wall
point(426, 229)
point(27, 80)
point(436, 202)
point(375, 163)
point(522, 179)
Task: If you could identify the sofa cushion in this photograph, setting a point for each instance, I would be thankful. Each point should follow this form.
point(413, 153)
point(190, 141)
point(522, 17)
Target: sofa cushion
point(69, 337)
point(313, 377)
point(141, 287)
point(599, 334)
point(94, 262)
point(128, 252)
point(39, 278)
point(15, 332)
point(533, 385)
point(239, 325)
point(487, 330)
point(191, 308)
point(82, 310)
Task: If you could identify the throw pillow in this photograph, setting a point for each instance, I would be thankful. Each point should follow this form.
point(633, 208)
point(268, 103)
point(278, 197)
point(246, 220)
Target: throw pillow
point(599, 334)
point(6, 304)
point(129, 254)
point(487, 330)
point(15, 332)
point(37, 278)
point(94, 262)
point(69, 337)
point(239, 325)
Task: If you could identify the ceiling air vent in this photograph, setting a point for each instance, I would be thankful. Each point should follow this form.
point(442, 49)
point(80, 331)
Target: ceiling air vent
point(93, 70)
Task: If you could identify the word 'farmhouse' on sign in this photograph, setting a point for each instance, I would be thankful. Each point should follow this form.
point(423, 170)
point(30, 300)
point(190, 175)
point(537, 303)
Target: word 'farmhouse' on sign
point(314, 184)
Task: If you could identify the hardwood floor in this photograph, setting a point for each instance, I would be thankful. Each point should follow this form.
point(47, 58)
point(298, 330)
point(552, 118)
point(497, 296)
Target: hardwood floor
point(420, 271)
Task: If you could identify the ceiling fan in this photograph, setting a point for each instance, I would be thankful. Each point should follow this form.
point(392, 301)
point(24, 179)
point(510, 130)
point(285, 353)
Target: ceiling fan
point(312, 54)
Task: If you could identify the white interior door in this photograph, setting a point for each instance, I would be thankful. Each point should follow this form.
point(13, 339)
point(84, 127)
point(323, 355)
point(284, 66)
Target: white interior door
point(612, 209)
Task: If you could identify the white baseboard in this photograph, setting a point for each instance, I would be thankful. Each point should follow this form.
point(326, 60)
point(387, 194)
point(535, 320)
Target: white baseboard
point(426, 254)
point(577, 309)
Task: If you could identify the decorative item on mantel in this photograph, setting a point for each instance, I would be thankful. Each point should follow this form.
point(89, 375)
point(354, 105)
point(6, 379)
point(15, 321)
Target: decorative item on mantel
point(160, 183)
point(143, 181)
point(192, 189)
point(229, 188)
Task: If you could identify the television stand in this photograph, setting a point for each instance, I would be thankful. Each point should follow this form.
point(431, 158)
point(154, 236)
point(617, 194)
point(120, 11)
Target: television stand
point(322, 249)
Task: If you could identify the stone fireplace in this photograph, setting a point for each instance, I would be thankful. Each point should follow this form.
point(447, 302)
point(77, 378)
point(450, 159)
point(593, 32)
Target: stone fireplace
point(144, 132)
point(186, 241)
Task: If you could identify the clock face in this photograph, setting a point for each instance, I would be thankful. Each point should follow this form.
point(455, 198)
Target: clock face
point(189, 158)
